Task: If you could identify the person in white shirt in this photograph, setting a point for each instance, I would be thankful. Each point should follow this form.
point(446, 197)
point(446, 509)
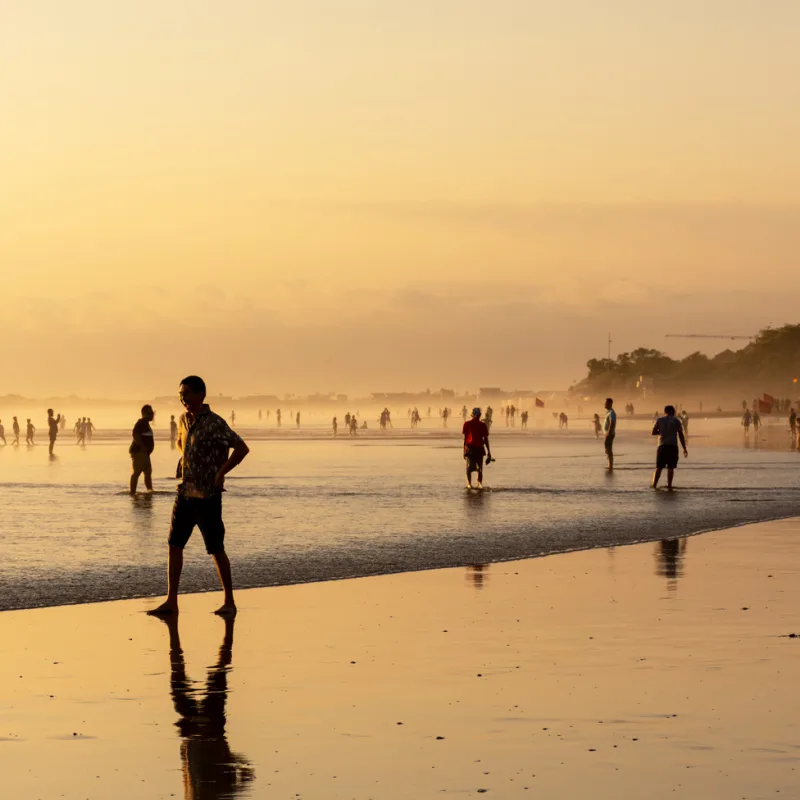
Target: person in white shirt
point(609, 432)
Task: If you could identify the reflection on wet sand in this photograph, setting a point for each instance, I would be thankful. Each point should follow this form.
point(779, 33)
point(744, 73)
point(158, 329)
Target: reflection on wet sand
point(670, 554)
point(211, 771)
point(478, 574)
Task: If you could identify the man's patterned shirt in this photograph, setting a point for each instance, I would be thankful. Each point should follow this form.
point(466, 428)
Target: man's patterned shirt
point(204, 444)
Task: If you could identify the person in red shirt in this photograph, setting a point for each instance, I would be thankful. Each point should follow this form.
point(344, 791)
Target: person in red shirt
point(476, 444)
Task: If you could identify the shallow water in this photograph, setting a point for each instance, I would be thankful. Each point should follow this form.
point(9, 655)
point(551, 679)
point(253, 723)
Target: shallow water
point(313, 508)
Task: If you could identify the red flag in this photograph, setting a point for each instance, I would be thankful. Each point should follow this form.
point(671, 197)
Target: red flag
point(539, 403)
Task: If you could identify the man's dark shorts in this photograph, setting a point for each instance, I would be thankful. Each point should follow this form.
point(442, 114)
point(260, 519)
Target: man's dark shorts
point(206, 513)
point(609, 445)
point(667, 456)
point(474, 457)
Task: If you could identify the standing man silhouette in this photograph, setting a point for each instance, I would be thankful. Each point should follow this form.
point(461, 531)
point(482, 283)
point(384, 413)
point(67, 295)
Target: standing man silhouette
point(209, 451)
point(52, 424)
point(610, 431)
point(141, 448)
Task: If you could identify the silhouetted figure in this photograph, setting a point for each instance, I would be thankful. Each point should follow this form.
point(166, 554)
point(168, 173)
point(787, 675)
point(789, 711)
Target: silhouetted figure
point(211, 770)
point(756, 421)
point(81, 425)
point(476, 445)
point(610, 432)
point(793, 424)
point(90, 429)
point(669, 431)
point(63, 423)
point(52, 428)
point(297, 420)
point(3, 432)
point(746, 420)
point(29, 432)
point(523, 418)
point(684, 418)
point(464, 413)
point(205, 441)
point(488, 417)
point(259, 415)
point(173, 431)
point(445, 415)
point(563, 421)
point(335, 427)
point(353, 426)
point(15, 429)
point(278, 417)
point(347, 419)
point(141, 448)
point(598, 427)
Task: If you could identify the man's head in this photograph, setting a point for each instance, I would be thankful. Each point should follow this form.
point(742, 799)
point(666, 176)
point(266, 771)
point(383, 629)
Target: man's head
point(609, 403)
point(476, 413)
point(192, 393)
point(147, 413)
point(669, 411)
point(49, 412)
point(172, 417)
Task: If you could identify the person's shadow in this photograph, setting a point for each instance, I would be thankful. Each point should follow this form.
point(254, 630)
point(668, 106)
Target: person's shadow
point(211, 770)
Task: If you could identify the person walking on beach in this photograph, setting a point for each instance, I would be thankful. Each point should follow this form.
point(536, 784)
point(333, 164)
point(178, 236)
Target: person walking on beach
point(90, 429)
point(669, 430)
point(793, 423)
point(15, 429)
point(29, 432)
point(746, 420)
point(598, 427)
point(173, 431)
point(52, 425)
point(210, 449)
point(3, 433)
point(297, 420)
point(141, 448)
point(476, 445)
point(82, 431)
point(335, 427)
point(609, 432)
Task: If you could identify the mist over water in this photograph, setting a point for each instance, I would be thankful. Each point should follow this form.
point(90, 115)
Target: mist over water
point(304, 506)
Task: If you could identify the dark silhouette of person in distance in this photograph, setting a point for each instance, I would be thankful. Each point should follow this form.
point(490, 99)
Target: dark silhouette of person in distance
point(211, 770)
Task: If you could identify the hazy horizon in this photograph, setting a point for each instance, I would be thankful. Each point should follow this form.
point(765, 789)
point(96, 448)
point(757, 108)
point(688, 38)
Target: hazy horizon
point(361, 197)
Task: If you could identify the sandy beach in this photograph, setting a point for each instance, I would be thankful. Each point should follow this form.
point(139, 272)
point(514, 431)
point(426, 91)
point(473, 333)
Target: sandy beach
point(654, 670)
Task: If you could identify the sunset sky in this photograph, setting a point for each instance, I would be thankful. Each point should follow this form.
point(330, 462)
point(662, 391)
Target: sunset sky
point(364, 195)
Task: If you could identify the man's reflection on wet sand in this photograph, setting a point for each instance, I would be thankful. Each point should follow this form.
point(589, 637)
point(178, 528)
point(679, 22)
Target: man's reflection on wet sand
point(211, 771)
point(669, 560)
point(478, 574)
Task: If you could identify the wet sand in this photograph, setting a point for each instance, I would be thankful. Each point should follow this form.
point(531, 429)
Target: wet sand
point(655, 670)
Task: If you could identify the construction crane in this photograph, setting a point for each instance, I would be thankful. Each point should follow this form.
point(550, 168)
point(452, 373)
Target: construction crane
point(706, 336)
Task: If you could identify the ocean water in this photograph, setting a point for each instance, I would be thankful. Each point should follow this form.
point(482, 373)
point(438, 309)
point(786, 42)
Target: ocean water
point(306, 507)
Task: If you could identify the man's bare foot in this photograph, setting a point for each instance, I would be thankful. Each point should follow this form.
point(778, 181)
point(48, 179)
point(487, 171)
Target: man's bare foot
point(228, 611)
point(164, 610)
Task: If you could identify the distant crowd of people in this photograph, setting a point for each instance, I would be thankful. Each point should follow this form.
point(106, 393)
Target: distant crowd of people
point(56, 424)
